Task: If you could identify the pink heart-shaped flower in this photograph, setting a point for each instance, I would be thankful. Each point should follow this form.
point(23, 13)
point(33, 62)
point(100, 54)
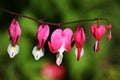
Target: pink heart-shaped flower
point(79, 38)
point(60, 39)
point(98, 31)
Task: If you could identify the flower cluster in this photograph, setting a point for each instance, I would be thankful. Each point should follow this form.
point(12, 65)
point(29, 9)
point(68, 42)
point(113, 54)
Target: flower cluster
point(61, 40)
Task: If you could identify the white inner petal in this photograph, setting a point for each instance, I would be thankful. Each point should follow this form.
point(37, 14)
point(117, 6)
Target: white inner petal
point(37, 53)
point(96, 44)
point(59, 58)
point(12, 50)
point(62, 48)
point(82, 52)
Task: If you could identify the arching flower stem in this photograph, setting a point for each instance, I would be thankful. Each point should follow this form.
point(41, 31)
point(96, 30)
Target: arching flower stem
point(50, 23)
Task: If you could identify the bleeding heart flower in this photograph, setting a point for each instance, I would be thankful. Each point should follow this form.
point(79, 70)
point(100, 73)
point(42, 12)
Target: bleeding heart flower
point(109, 27)
point(98, 31)
point(42, 35)
point(79, 37)
point(60, 42)
point(14, 32)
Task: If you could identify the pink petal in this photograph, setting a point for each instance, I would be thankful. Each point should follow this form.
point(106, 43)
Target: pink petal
point(56, 40)
point(14, 31)
point(93, 29)
point(79, 37)
point(42, 34)
point(51, 49)
point(67, 34)
point(98, 31)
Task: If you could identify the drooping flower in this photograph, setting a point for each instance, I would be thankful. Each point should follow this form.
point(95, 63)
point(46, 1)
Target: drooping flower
point(79, 38)
point(60, 42)
point(14, 32)
point(109, 36)
point(42, 35)
point(98, 31)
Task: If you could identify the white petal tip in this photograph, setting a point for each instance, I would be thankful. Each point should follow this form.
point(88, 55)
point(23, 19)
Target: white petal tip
point(36, 57)
point(59, 58)
point(58, 62)
point(82, 52)
point(13, 50)
point(12, 55)
point(37, 53)
point(76, 52)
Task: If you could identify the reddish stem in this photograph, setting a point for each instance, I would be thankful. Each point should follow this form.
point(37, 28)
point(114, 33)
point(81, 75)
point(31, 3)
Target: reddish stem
point(49, 23)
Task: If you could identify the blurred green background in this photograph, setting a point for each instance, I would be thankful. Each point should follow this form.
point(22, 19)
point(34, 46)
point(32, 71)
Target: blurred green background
point(104, 65)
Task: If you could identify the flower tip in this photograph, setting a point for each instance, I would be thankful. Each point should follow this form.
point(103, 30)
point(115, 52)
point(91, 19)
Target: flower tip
point(59, 57)
point(97, 46)
point(37, 57)
point(78, 59)
point(109, 36)
point(13, 50)
point(37, 53)
point(96, 50)
point(58, 63)
point(12, 55)
point(79, 52)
